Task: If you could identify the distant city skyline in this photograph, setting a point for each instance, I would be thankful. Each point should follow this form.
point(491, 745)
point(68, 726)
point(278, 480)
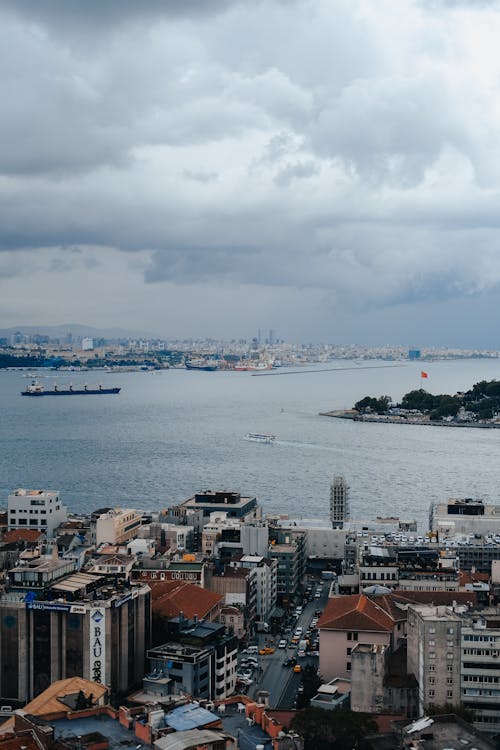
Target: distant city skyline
point(326, 168)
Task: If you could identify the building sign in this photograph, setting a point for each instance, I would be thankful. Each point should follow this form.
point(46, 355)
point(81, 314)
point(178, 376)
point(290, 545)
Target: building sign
point(126, 598)
point(76, 609)
point(98, 645)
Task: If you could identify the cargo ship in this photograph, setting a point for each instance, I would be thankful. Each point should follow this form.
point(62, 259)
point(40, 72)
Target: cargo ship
point(37, 389)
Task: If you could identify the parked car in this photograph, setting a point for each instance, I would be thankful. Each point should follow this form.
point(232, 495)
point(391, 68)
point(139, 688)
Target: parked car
point(282, 643)
point(266, 650)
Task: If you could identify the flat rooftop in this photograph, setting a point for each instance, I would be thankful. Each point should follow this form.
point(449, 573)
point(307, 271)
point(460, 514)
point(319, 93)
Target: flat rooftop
point(119, 737)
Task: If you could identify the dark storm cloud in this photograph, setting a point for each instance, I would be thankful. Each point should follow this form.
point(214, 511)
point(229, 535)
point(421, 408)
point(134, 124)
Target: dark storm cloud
point(320, 145)
point(69, 14)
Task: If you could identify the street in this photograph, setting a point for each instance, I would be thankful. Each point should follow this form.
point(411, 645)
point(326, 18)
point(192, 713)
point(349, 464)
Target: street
point(281, 682)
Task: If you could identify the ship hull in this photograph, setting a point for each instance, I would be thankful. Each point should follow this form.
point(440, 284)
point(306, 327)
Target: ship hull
point(76, 392)
point(205, 368)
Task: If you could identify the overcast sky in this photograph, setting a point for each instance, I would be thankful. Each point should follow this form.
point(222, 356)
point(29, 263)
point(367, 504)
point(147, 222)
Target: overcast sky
point(326, 168)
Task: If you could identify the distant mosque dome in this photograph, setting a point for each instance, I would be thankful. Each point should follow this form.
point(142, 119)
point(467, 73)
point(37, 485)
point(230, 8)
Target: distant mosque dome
point(377, 590)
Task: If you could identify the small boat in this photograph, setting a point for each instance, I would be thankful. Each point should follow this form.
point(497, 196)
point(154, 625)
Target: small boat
point(264, 437)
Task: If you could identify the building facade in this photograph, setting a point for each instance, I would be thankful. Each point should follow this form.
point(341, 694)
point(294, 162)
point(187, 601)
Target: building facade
point(40, 510)
point(117, 526)
point(433, 642)
point(103, 640)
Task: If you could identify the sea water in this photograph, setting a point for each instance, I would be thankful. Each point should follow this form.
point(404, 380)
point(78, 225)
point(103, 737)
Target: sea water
point(172, 433)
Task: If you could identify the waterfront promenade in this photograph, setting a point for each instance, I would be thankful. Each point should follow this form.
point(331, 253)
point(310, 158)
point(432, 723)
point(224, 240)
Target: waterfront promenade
point(413, 419)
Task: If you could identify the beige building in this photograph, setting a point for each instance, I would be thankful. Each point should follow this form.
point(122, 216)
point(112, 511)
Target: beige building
point(349, 620)
point(117, 526)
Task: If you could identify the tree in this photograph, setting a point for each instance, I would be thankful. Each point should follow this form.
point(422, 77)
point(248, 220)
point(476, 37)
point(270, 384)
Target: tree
point(340, 729)
point(371, 404)
point(311, 681)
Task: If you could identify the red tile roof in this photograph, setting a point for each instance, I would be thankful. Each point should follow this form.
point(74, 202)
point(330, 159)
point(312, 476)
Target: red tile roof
point(189, 599)
point(467, 576)
point(356, 612)
point(22, 535)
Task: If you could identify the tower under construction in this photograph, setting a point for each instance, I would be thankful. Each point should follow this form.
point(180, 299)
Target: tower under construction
point(339, 502)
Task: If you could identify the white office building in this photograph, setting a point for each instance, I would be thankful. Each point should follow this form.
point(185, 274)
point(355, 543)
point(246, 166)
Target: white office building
point(40, 510)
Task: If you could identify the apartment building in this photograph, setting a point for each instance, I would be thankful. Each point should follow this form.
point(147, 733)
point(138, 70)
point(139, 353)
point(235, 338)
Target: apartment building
point(480, 668)
point(199, 660)
point(117, 525)
point(40, 510)
point(350, 620)
point(266, 583)
point(433, 654)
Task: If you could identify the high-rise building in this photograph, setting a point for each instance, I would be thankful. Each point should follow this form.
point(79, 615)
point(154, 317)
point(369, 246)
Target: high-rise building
point(339, 502)
point(87, 344)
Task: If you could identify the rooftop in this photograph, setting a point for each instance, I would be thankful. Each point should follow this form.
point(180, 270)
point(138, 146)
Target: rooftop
point(189, 738)
point(55, 698)
point(185, 598)
point(119, 738)
point(356, 612)
point(189, 716)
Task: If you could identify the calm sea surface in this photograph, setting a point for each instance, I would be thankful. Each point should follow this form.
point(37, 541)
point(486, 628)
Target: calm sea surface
point(173, 433)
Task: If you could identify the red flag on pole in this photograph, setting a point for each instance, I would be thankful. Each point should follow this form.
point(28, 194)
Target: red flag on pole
point(423, 374)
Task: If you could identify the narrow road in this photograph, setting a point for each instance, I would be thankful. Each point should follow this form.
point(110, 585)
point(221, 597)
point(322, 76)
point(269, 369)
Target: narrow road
point(281, 682)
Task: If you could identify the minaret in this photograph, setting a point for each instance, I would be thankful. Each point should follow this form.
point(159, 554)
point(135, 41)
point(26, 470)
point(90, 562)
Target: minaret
point(339, 502)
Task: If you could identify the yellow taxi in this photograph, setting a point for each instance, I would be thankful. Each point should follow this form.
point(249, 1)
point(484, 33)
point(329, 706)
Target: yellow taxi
point(266, 650)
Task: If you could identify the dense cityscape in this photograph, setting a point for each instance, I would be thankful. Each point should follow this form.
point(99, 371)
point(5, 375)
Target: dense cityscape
point(215, 621)
point(263, 351)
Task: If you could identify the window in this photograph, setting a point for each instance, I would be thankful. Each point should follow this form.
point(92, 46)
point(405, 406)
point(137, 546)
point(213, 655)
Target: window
point(432, 643)
point(449, 693)
point(449, 680)
point(432, 667)
point(432, 680)
point(449, 631)
point(449, 667)
point(348, 666)
point(449, 656)
point(432, 630)
point(431, 693)
point(349, 651)
point(449, 644)
point(432, 654)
